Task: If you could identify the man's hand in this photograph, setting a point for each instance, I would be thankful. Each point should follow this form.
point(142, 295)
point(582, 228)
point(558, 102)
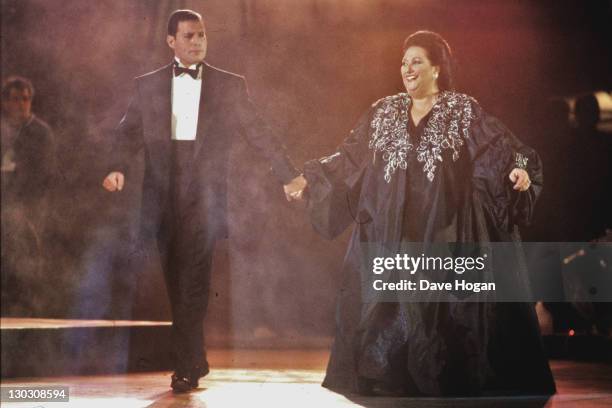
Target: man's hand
point(520, 178)
point(295, 189)
point(114, 181)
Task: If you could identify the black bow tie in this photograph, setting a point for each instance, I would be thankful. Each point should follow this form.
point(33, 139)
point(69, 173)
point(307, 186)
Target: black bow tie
point(191, 72)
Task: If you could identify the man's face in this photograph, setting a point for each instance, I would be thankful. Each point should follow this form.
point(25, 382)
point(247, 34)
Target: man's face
point(189, 43)
point(18, 106)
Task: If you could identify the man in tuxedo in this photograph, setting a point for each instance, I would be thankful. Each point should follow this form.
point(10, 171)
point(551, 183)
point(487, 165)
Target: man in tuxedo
point(186, 116)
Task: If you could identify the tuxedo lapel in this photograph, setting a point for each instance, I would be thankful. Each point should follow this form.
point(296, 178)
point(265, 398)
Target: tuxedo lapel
point(209, 101)
point(162, 104)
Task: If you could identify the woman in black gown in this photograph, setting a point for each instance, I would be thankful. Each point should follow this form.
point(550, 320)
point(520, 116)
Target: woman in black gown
point(429, 166)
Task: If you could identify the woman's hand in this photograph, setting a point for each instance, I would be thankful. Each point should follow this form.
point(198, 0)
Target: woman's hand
point(520, 178)
point(114, 181)
point(294, 190)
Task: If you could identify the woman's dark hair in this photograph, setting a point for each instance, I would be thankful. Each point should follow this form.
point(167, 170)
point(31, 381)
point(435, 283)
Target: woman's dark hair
point(438, 52)
point(181, 15)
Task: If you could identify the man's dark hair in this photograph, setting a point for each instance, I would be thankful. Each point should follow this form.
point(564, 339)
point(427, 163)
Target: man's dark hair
point(16, 82)
point(181, 15)
point(438, 52)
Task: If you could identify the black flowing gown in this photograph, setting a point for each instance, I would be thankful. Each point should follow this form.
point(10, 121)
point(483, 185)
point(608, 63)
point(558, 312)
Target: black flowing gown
point(445, 180)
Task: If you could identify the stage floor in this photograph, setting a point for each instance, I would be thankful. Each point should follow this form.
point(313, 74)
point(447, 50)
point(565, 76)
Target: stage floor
point(292, 378)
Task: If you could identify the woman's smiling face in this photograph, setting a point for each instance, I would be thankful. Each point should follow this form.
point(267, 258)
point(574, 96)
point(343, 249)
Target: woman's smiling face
point(418, 74)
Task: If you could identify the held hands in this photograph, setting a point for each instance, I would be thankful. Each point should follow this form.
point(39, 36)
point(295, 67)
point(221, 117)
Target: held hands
point(114, 181)
point(520, 178)
point(294, 190)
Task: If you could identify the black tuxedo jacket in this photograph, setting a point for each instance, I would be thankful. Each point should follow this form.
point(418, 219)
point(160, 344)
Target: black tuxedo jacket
point(226, 116)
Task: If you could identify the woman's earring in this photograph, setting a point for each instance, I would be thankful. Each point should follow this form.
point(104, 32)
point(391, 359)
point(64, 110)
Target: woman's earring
point(435, 75)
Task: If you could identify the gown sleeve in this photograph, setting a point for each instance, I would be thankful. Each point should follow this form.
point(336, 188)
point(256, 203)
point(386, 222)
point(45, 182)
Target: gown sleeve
point(334, 181)
point(495, 151)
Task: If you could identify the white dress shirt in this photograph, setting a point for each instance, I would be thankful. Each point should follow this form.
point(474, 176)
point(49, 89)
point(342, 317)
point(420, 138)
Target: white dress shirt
point(185, 104)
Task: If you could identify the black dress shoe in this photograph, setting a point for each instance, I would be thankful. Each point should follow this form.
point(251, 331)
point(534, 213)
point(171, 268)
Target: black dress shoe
point(181, 384)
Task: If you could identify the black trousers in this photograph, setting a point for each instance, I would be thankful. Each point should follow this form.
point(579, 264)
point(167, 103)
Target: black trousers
point(186, 247)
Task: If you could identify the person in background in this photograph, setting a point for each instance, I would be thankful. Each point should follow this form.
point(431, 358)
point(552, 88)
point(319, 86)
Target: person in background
point(29, 165)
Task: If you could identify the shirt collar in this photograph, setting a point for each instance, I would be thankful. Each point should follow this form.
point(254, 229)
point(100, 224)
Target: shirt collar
point(180, 64)
point(194, 66)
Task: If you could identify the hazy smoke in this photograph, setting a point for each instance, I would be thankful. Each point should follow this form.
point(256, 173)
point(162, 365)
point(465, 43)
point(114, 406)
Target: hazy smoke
point(313, 67)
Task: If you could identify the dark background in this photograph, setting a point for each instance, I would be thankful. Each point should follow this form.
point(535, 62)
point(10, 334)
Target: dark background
point(313, 66)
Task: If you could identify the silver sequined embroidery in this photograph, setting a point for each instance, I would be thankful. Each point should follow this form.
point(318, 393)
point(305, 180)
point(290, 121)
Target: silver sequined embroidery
point(449, 124)
point(520, 161)
point(390, 135)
